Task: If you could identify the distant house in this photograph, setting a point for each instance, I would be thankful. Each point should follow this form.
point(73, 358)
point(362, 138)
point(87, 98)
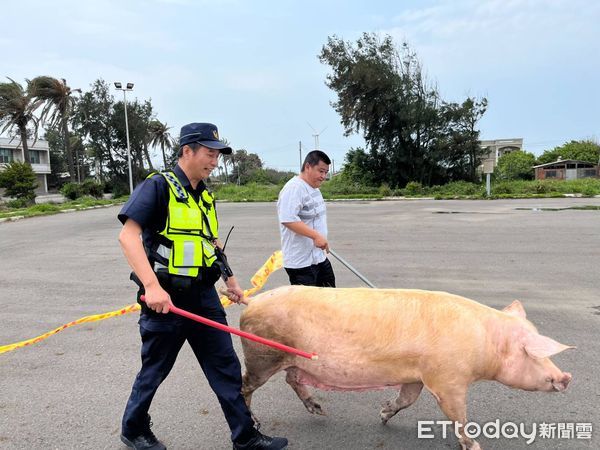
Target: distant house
point(566, 169)
point(39, 155)
point(495, 149)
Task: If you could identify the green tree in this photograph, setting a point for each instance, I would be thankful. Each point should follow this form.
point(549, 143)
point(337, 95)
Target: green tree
point(362, 168)
point(172, 152)
point(58, 159)
point(17, 111)
point(139, 116)
point(19, 181)
point(244, 165)
point(92, 121)
point(159, 136)
point(270, 176)
point(411, 134)
point(515, 165)
point(463, 152)
point(227, 160)
point(585, 150)
point(59, 102)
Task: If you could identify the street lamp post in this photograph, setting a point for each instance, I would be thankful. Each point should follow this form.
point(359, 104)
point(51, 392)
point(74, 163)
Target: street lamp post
point(128, 87)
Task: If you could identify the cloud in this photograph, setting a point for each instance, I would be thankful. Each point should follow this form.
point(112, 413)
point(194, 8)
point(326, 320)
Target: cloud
point(482, 36)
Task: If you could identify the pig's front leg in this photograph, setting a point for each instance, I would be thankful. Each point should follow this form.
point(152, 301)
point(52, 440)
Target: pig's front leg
point(453, 403)
point(407, 395)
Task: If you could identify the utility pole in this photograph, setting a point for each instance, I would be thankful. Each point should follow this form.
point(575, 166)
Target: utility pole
point(300, 149)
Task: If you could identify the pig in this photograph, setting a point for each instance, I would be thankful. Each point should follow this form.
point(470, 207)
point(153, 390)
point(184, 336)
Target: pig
point(402, 339)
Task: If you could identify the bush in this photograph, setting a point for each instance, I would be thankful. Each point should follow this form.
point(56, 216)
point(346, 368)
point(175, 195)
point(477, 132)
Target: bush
point(515, 166)
point(248, 192)
point(342, 186)
point(585, 186)
point(384, 190)
point(270, 176)
point(413, 188)
point(119, 189)
point(19, 181)
point(71, 190)
point(90, 187)
point(539, 187)
point(458, 189)
point(503, 188)
point(18, 203)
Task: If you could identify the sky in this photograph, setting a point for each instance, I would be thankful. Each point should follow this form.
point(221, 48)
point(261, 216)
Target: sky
point(252, 67)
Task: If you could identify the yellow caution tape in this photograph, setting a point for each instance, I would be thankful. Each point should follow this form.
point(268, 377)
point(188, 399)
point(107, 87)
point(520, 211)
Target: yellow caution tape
point(259, 279)
point(93, 318)
point(275, 262)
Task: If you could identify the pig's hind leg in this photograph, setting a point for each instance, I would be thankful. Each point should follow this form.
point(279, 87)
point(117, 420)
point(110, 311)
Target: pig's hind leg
point(302, 391)
point(407, 395)
point(259, 368)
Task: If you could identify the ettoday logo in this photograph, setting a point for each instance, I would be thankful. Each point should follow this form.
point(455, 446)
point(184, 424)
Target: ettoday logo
point(509, 430)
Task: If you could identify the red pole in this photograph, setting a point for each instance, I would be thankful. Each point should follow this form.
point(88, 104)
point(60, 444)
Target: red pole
point(250, 336)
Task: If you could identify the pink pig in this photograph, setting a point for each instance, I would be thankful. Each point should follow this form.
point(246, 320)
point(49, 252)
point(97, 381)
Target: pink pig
point(396, 338)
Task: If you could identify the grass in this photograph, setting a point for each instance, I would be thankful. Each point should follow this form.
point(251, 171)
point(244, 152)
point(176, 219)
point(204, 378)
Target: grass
point(337, 190)
point(44, 209)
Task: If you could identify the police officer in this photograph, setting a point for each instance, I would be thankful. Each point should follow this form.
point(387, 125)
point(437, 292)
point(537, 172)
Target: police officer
point(175, 263)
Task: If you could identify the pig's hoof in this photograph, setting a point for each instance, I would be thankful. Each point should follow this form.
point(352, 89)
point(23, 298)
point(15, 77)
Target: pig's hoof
point(385, 417)
point(255, 419)
point(387, 412)
point(469, 445)
point(313, 407)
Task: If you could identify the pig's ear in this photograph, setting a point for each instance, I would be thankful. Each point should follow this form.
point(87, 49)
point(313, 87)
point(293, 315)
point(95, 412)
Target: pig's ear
point(538, 346)
point(515, 309)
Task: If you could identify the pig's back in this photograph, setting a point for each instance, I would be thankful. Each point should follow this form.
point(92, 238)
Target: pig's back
point(361, 316)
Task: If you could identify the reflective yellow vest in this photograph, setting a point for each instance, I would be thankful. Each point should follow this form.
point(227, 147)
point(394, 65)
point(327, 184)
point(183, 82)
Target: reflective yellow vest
point(190, 229)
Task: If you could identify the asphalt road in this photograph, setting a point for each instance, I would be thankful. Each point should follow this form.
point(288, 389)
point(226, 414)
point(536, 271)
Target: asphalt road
point(69, 391)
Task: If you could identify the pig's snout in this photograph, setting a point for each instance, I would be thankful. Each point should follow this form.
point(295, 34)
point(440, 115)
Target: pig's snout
point(562, 383)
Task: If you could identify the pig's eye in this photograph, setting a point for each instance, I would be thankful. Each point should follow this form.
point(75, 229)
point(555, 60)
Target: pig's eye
point(549, 380)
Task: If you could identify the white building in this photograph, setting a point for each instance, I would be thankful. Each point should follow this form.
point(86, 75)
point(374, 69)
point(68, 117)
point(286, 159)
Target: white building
point(495, 149)
point(39, 155)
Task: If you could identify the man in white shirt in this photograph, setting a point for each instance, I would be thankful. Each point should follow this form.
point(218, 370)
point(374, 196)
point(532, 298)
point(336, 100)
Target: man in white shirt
point(303, 224)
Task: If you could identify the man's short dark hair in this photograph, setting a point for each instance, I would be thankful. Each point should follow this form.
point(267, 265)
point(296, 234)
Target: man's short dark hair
point(313, 158)
point(193, 145)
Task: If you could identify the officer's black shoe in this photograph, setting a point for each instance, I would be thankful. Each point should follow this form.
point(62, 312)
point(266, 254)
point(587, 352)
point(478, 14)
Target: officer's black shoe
point(145, 441)
point(262, 442)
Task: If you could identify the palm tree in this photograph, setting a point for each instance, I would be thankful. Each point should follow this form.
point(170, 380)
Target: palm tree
point(16, 111)
point(59, 105)
point(158, 134)
point(227, 159)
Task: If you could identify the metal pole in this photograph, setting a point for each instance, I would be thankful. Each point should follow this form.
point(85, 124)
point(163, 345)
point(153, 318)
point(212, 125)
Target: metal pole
point(352, 269)
point(128, 149)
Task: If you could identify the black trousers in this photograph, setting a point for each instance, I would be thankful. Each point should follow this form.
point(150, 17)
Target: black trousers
point(163, 335)
point(320, 275)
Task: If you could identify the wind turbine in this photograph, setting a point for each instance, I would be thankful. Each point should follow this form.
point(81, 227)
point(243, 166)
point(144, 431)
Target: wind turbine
point(316, 135)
